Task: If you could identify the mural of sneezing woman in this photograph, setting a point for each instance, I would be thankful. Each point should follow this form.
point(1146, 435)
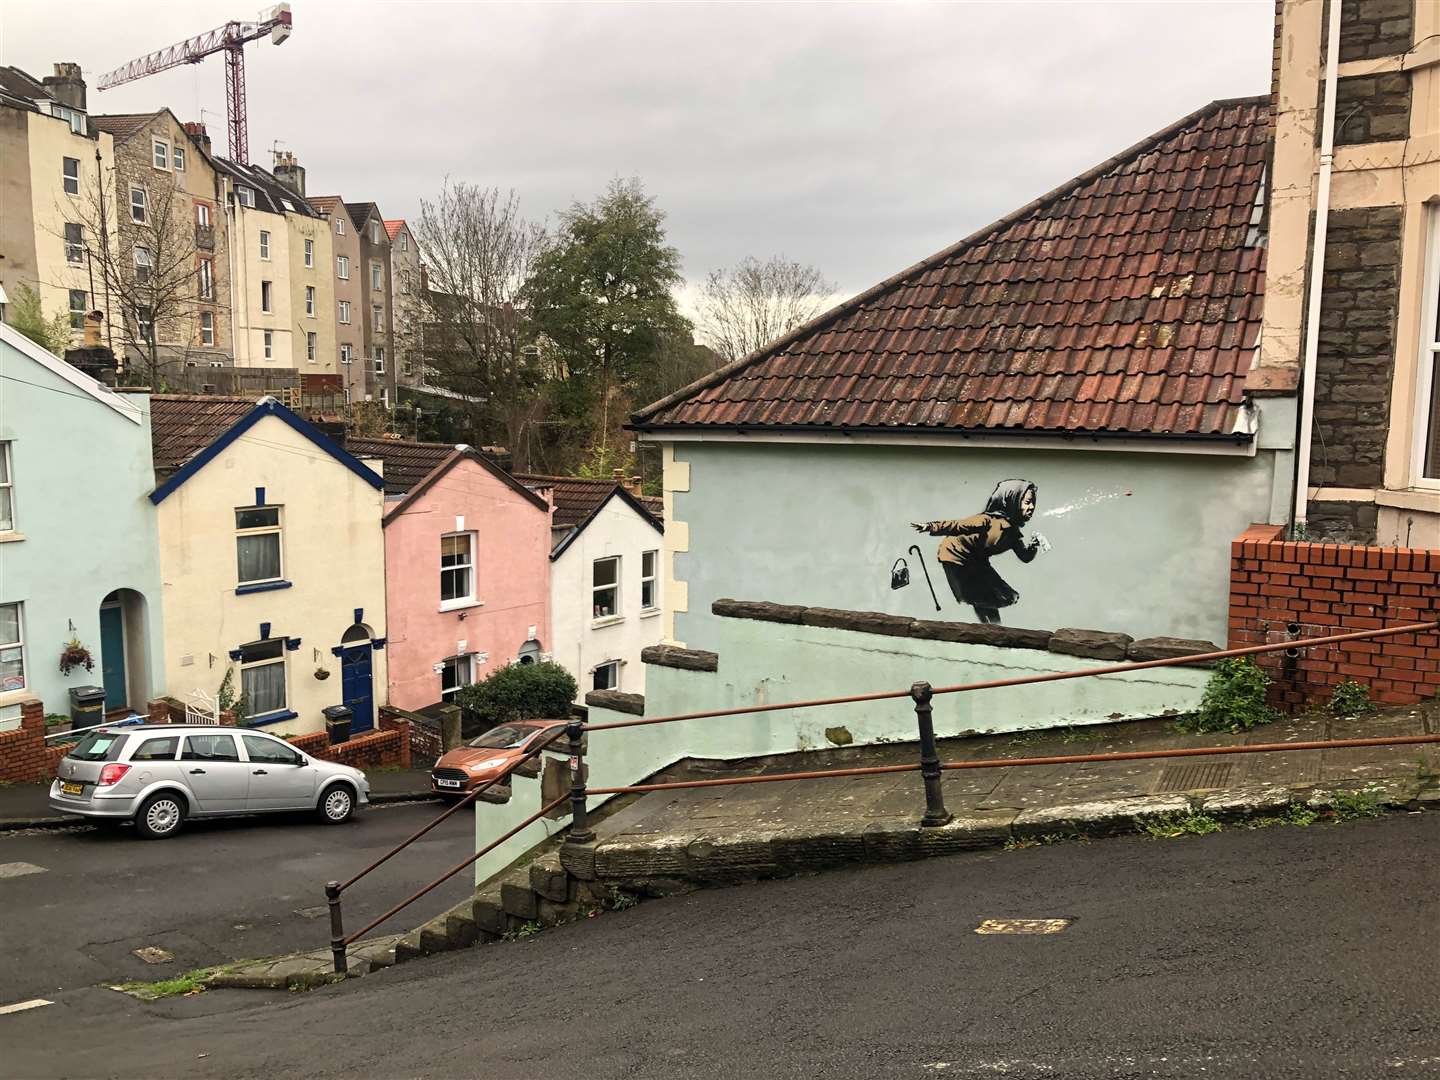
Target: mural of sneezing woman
point(972, 542)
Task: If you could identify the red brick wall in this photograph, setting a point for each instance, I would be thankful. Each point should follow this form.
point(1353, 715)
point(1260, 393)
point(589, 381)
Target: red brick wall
point(387, 748)
point(1333, 588)
point(24, 758)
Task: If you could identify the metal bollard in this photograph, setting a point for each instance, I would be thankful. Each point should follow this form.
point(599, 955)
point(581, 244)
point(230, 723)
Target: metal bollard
point(580, 831)
point(337, 927)
point(935, 812)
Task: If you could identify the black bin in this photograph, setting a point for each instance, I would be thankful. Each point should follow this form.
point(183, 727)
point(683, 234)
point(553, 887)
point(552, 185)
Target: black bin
point(337, 723)
point(87, 706)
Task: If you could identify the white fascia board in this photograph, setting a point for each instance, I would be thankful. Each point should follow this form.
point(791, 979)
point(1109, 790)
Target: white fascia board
point(71, 374)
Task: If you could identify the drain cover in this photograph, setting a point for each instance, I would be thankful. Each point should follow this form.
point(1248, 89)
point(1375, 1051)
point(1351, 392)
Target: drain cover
point(153, 954)
point(1210, 774)
point(1022, 926)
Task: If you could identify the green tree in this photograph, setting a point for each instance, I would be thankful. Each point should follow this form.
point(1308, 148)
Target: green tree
point(28, 316)
point(602, 293)
point(542, 691)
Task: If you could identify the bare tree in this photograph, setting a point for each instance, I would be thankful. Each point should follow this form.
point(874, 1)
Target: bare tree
point(478, 252)
point(745, 308)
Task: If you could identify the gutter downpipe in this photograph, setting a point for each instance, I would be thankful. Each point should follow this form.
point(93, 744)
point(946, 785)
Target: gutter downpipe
point(1317, 272)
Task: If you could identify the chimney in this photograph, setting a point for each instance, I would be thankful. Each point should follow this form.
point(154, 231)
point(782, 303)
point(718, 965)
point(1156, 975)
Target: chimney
point(66, 86)
point(198, 131)
point(289, 172)
point(94, 359)
point(93, 320)
point(634, 486)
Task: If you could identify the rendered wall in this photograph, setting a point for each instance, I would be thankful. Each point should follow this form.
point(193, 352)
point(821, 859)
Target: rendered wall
point(250, 271)
point(321, 277)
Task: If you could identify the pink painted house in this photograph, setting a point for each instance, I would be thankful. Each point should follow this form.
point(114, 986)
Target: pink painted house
point(467, 573)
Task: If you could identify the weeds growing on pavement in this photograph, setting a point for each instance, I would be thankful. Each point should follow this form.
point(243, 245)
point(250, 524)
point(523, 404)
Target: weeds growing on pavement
point(1178, 823)
point(1020, 843)
point(1234, 699)
point(524, 930)
point(192, 982)
point(1294, 814)
point(1351, 698)
point(1355, 805)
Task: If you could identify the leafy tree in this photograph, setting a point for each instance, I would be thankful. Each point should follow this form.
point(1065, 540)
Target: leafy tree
point(542, 691)
point(744, 308)
point(28, 316)
point(602, 293)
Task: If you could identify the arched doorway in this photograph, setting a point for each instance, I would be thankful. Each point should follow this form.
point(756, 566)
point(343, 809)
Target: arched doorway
point(529, 652)
point(124, 665)
point(356, 685)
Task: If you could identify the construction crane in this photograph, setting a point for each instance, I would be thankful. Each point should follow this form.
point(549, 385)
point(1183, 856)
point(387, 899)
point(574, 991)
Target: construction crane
point(230, 39)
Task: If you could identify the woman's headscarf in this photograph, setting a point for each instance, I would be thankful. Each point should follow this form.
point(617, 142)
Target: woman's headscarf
point(1005, 500)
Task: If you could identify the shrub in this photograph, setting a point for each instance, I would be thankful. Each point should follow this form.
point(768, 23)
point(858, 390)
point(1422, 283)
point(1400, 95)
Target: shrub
point(1234, 699)
point(1351, 698)
point(520, 692)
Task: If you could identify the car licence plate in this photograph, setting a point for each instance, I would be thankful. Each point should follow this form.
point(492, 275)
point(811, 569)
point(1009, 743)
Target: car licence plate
point(67, 788)
point(448, 783)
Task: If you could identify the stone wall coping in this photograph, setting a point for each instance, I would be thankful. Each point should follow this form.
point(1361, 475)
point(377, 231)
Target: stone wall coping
point(675, 657)
point(617, 701)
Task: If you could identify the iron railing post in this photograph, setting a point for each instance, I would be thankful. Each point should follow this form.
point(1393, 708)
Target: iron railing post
point(337, 927)
point(935, 812)
point(580, 831)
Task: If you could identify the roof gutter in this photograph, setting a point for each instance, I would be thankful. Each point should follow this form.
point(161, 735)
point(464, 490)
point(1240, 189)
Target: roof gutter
point(1317, 273)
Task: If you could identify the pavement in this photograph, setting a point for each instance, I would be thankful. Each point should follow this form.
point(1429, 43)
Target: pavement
point(1267, 954)
point(27, 806)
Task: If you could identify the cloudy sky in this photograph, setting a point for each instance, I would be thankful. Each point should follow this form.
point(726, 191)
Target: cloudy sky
point(858, 137)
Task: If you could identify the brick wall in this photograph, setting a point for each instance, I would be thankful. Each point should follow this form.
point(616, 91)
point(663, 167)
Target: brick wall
point(1373, 28)
point(1323, 589)
point(388, 747)
point(24, 757)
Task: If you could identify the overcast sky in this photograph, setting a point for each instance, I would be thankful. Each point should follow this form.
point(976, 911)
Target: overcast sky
point(858, 137)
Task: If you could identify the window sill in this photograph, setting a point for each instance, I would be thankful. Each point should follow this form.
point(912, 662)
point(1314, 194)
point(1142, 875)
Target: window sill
point(11, 537)
point(266, 719)
point(606, 620)
point(460, 605)
point(650, 613)
point(1420, 497)
point(261, 586)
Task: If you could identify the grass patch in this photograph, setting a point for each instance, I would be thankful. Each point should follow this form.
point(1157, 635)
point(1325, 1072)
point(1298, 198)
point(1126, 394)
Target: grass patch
point(1234, 700)
point(1295, 814)
point(1020, 843)
point(1179, 823)
point(1356, 805)
point(192, 982)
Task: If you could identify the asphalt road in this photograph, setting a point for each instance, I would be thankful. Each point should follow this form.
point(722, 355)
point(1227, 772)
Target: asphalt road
point(1266, 954)
point(221, 890)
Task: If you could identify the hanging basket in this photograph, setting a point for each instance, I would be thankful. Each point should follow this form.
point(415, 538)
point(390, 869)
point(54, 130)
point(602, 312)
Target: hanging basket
point(75, 655)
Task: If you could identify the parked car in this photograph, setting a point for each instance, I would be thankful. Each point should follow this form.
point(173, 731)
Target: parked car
point(462, 770)
point(158, 775)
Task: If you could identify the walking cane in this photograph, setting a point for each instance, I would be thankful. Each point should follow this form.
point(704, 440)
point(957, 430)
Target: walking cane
point(919, 555)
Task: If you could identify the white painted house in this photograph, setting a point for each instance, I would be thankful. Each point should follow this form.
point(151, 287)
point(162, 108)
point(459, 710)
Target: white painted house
point(605, 597)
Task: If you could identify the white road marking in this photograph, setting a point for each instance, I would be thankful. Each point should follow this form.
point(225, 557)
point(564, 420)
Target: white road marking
point(1022, 926)
point(19, 869)
point(21, 1006)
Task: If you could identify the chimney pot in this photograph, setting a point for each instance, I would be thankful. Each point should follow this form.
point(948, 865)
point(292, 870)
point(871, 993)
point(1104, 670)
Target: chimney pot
point(66, 85)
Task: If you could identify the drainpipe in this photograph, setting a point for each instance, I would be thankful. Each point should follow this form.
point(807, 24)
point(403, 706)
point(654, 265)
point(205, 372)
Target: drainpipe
point(1317, 272)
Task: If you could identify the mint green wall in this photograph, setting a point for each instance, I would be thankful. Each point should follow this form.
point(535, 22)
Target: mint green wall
point(1139, 542)
point(81, 474)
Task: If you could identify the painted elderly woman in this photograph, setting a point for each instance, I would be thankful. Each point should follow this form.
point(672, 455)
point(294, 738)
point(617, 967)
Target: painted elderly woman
point(972, 542)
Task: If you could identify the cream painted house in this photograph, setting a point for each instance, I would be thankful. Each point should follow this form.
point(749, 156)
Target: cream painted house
point(272, 562)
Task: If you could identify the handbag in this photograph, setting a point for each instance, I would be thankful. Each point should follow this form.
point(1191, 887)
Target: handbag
point(900, 574)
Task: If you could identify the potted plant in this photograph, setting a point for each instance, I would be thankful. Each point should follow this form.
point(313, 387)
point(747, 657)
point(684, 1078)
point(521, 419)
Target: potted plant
point(75, 655)
point(56, 723)
point(322, 673)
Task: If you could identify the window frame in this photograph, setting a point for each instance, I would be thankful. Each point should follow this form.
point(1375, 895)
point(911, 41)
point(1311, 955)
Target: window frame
point(177, 158)
point(77, 315)
point(207, 333)
point(344, 315)
point(377, 318)
point(342, 267)
point(309, 254)
point(310, 301)
point(7, 484)
point(278, 646)
point(446, 668)
point(74, 249)
point(377, 358)
point(143, 206)
point(377, 276)
point(340, 226)
point(267, 297)
point(142, 260)
point(374, 232)
point(66, 179)
point(616, 612)
point(608, 665)
point(159, 154)
point(404, 241)
point(245, 196)
point(1427, 375)
point(268, 343)
point(202, 215)
point(470, 597)
point(205, 273)
point(347, 353)
point(312, 345)
point(652, 579)
point(265, 244)
point(277, 530)
point(18, 643)
point(144, 318)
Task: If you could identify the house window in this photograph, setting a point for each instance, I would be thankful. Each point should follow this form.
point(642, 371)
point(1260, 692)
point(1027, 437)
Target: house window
point(345, 312)
point(7, 488)
point(12, 649)
point(605, 588)
point(342, 267)
point(1428, 420)
point(649, 560)
point(71, 167)
point(207, 328)
point(379, 358)
point(74, 242)
point(79, 305)
point(377, 276)
point(377, 318)
point(455, 673)
point(265, 291)
point(143, 265)
point(264, 244)
point(310, 346)
point(339, 226)
point(457, 568)
point(606, 676)
point(137, 205)
point(310, 300)
point(269, 344)
point(345, 354)
point(162, 154)
point(202, 215)
point(144, 323)
point(179, 159)
point(407, 368)
point(207, 280)
point(262, 677)
point(309, 253)
point(257, 544)
point(404, 242)
point(244, 196)
point(374, 232)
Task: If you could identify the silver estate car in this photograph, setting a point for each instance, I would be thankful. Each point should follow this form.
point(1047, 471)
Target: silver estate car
point(157, 775)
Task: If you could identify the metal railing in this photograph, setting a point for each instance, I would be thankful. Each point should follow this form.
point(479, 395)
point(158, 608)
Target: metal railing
point(929, 765)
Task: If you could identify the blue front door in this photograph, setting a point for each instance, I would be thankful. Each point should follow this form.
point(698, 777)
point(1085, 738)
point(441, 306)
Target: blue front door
point(356, 687)
point(112, 657)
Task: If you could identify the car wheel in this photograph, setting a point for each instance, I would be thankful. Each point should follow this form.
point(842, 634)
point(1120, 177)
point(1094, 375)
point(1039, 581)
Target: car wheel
point(337, 803)
point(160, 816)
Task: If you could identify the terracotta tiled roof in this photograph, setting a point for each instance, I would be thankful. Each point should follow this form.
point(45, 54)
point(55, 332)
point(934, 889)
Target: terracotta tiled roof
point(406, 463)
point(576, 497)
point(181, 425)
point(324, 203)
point(394, 227)
point(1126, 301)
point(123, 125)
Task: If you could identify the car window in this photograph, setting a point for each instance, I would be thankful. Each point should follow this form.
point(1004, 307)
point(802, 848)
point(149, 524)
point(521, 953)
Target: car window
point(210, 748)
point(540, 737)
point(156, 749)
point(502, 738)
point(99, 746)
point(270, 751)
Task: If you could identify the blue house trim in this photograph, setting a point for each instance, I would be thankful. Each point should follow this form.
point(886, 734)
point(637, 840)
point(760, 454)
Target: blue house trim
point(264, 586)
point(268, 407)
point(271, 718)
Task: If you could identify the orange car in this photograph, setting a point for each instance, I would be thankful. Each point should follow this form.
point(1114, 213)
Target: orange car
point(462, 770)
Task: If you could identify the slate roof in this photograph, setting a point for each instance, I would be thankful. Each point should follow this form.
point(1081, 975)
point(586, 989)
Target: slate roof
point(406, 463)
point(181, 425)
point(360, 212)
point(21, 85)
point(270, 193)
point(1127, 302)
point(576, 497)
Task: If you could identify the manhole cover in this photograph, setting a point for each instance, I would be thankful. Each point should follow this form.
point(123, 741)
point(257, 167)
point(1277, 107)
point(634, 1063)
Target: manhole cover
point(153, 954)
point(1022, 926)
point(1209, 774)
